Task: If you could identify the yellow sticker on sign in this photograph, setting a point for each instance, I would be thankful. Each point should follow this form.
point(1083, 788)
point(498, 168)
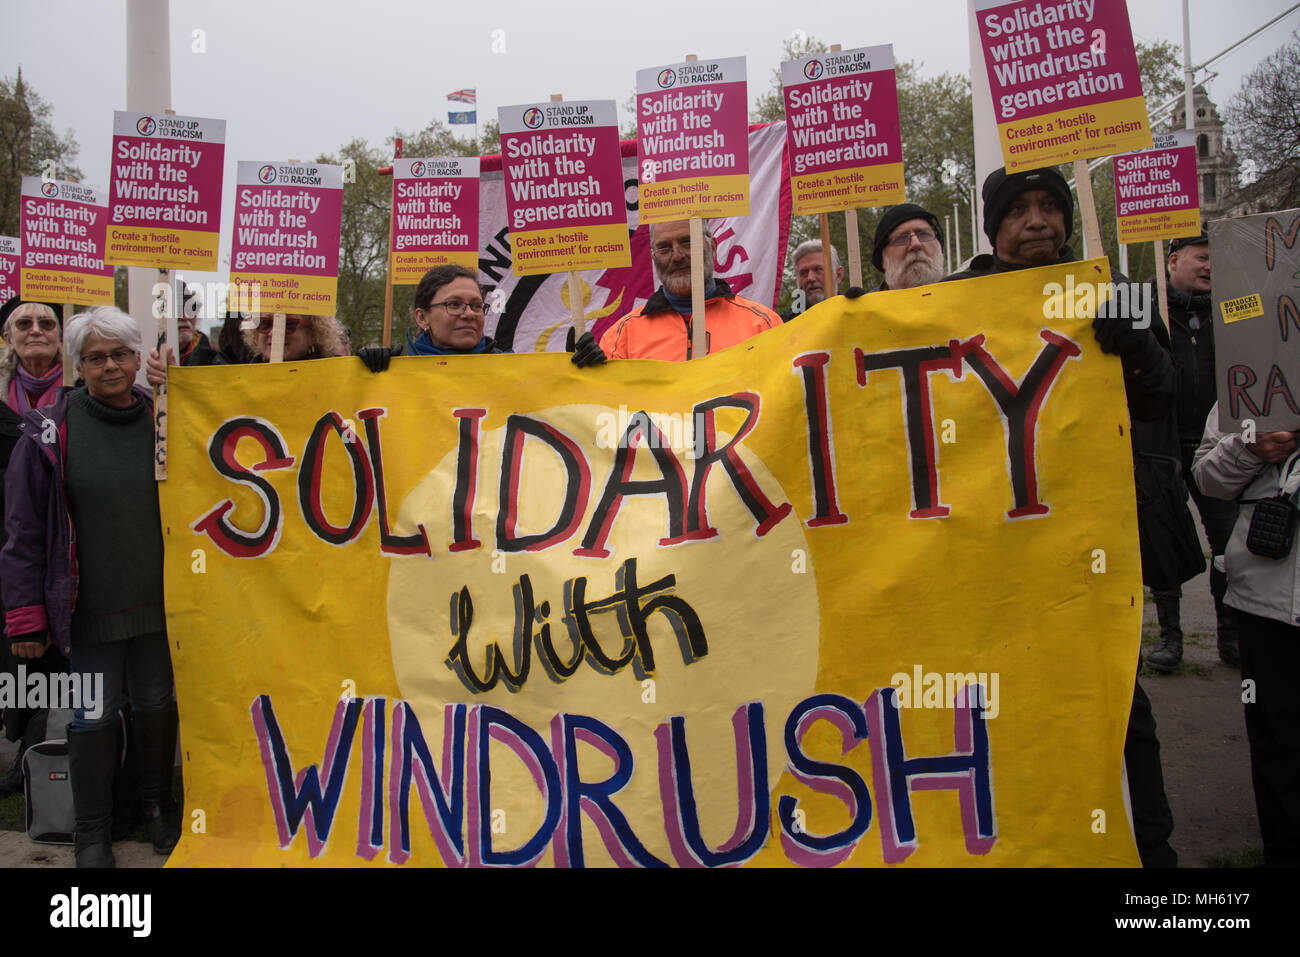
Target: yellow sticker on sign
point(1243, 307)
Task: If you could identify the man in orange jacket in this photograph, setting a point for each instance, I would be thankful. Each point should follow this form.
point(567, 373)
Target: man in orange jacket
point(661, 329)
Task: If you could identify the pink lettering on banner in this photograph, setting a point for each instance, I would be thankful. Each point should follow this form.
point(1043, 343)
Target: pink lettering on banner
point(435, 215)
point(1156, 190)
point(62, 231)
point(9, 256)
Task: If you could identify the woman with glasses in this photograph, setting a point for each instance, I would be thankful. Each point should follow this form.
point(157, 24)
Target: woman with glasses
point(305, 337)
point(31, 373)
point(82, 570)
point(449, 313)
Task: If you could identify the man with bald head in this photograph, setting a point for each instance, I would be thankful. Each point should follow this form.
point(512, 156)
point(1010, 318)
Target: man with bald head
point(661, 329)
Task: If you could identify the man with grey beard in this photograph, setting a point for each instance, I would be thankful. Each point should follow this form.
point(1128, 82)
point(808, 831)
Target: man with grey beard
point(908, 247)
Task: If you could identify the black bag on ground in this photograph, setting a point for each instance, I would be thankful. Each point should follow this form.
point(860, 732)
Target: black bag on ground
point(1171, 550)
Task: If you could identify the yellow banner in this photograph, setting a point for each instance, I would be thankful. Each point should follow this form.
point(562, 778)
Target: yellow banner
point(880, 185)
point(1077, 133)
point(706, 196)
point(82, 289)
point(162, 247)
point(538, 251)
point(1152, 226)
point(840, 594)
point(305, 295)
point(409, 268)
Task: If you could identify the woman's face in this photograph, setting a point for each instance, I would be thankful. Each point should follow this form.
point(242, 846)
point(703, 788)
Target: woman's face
point(451, 325)
point(34, 337)
point(297, 336)
point(109, 367)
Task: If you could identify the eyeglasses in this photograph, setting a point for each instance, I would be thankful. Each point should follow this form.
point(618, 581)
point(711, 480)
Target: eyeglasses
point(290, 323)
point(96, 360)
point(458, 307)
point(664, 250)
point(922, 236)
point(25, 324)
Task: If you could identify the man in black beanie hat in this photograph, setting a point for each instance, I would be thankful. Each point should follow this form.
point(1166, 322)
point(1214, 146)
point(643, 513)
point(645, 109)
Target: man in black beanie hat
point(908, 247)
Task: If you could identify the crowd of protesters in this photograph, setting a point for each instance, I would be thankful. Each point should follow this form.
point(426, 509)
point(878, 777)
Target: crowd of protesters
point(107, 616)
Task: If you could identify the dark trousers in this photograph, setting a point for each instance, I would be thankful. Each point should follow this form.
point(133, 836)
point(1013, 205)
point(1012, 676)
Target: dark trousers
point(1153, 822)
point(1217, 518)
point(1270, 658)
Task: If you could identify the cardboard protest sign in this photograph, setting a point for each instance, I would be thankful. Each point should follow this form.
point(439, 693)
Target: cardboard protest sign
point(843, 132)
point(62, 230)
point(691, 145)
point(435, 215)
point(721, 612)
point(1064, 79)
point(565, 204)
point(165, 191)
point(532, 313)
point(287, 222)
point(10, 254)
point(1257, 320)
point(1156, 194)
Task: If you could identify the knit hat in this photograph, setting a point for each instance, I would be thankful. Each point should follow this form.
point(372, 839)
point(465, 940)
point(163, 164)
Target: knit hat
point(894, 217)
point(11, 306)
point(1177, 244)
point(1000, 190)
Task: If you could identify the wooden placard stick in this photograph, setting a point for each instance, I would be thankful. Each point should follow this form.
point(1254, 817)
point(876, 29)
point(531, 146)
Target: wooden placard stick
point(699, 339)
point(168, 340)
point(1162, 281)
point(575, 283)
point(277, 337)
point(828, 283)
point(69, 376)
point(853, 245)
point(387, 339)
point(1088, 209)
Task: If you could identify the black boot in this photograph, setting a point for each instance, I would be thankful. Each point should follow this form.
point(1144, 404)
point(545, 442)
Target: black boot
point(1166, 657)
point(12, 782)
point(155, 742)
point(1228, 653)
point(92, 756)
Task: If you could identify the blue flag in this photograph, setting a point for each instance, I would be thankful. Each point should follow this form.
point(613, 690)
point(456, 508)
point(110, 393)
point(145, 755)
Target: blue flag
point(460, 119)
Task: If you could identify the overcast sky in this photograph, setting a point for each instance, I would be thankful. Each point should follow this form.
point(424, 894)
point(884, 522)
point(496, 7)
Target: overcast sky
point(295, 78)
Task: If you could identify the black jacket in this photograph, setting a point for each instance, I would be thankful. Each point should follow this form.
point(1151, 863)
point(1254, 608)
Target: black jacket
point(1192, 350)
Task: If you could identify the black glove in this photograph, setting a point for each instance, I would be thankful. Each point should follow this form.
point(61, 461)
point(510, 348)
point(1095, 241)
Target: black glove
point(587, 352)
point(853, 292)
point(1117, 336)
point(376, 358)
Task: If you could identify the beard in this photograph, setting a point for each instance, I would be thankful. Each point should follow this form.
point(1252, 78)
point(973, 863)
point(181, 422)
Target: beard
point(677, 280)
point(916, 269)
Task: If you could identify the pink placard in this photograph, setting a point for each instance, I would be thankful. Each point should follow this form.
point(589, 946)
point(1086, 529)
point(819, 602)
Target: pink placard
point(62, 230)
point(9, 262)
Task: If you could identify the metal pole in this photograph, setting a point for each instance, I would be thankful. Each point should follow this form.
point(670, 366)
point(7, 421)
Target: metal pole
point(956, 230)
point(1189, 96)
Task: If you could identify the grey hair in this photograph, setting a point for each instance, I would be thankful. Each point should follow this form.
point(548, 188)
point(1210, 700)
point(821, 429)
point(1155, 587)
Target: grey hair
point(704, 223)
point(813, 246)
point(10, 361)
point(106, 322)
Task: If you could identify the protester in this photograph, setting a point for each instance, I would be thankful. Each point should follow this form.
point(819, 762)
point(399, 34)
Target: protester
point(31, 373)
point(449, 313)
point(196, 348)
point(83, 473)
point(1264, 596)
point(1191, 330)
point(661, 329)
point(908, 247)
point(810, 275)
point(1028, 216)
point(305, 337)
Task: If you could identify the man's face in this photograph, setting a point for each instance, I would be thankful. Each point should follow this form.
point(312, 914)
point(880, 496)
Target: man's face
point(810, 274)
point(670, 248)
point(1189, 268)
point(1033, 230)
point(912, 255)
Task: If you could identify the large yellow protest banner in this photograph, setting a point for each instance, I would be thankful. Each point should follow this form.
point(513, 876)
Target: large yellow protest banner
point(864, 589)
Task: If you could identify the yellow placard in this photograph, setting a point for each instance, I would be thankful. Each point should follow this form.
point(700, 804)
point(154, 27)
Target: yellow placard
point(1243, 307)
point(82, 289)
point(1117, 127)
point(161, 247)
point(1152, 226)
point(409, 268)
point(305, 295)
point(705, 196)
point(838, 594)
point(536, 251)
point(880, 185)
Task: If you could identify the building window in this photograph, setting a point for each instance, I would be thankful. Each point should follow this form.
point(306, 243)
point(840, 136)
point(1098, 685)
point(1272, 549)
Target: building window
point(1202, 146)
point(1207, 187)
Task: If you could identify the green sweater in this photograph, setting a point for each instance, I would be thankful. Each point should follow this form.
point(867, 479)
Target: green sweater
point(114, 503)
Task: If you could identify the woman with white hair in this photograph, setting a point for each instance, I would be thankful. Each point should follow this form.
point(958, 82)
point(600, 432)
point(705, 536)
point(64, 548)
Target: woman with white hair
point(31, 373)
point(82, 570)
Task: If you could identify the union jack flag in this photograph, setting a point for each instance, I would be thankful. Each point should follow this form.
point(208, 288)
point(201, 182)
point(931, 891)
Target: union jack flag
point(463, 96)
